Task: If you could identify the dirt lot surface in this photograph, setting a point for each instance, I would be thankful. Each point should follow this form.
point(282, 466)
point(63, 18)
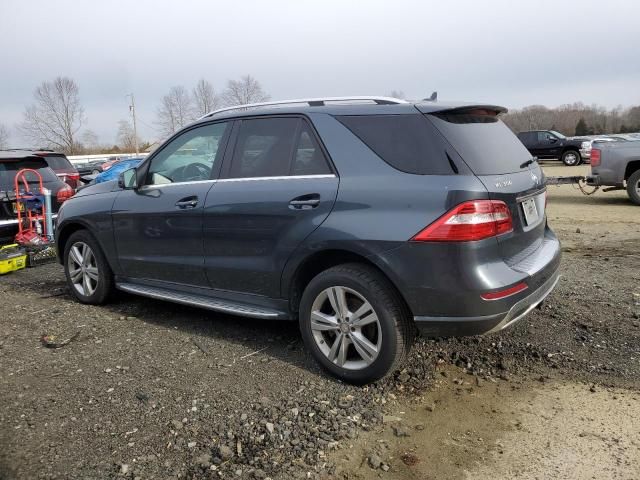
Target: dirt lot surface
point(148, 389)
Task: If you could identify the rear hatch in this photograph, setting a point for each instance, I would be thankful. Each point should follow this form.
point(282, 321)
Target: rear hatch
point(502, 163)
point(8, 170)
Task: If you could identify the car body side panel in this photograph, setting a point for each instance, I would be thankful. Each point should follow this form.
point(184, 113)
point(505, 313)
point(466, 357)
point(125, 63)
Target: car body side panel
point(157, 239)
point(93, 212)
point(250, 230)
point(615, 157)
point(398, 205)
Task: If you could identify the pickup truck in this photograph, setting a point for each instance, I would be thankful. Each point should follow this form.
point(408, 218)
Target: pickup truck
point(552, 144)
point(617, 165)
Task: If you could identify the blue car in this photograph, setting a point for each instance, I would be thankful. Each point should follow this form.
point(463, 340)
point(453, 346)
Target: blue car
point(117, 169)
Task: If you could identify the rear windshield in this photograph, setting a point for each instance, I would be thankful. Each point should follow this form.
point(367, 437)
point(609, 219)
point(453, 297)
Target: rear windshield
point(58, 162)
point(8, 172)
point(486, 144)
point(408, 143)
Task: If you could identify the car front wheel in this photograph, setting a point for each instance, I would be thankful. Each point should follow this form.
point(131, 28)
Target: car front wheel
point(88, 274)
point(354, 324)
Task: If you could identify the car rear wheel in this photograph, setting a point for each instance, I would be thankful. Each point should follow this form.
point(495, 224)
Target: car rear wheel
point(88, 274)
point(633, 187)
point(571, 158)
point(354, 324)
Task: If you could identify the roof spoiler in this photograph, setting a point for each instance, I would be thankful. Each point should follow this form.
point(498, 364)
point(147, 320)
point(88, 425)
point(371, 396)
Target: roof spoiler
point(460, 108)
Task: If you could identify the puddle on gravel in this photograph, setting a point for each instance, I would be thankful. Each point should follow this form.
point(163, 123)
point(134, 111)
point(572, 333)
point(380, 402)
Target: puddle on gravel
point(502, 430)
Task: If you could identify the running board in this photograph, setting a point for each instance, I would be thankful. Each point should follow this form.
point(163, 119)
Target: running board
point(201, 301)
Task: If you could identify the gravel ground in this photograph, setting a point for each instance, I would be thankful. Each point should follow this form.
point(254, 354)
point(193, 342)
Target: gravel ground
point(148, 389)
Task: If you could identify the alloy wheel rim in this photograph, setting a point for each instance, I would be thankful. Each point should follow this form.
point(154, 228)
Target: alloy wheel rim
point(346, 328)
point(83, 269)
point(571, 158)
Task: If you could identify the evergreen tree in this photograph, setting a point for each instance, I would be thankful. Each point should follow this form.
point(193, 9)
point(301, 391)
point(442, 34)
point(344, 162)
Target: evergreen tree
point(581, 128)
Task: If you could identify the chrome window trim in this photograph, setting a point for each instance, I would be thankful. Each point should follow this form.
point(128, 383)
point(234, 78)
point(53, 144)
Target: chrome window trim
point(283, 177)
point(244, 179)
point(162, 185)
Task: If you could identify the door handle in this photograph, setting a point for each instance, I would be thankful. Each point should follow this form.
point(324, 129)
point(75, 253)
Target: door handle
point(305, 202)
point(186, 203)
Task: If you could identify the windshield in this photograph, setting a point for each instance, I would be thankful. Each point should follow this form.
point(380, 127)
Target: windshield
point(557, 134)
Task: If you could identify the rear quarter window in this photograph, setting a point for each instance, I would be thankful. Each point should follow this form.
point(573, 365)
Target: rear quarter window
point(407, 142)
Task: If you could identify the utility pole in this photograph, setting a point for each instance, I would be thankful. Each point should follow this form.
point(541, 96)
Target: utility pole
point(132, 109)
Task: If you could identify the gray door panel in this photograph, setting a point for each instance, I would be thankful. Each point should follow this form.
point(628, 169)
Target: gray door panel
point(251, 227)
point(158, 232)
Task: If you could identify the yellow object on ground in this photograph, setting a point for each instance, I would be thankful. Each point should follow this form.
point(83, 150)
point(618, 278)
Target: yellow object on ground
point(12, 257)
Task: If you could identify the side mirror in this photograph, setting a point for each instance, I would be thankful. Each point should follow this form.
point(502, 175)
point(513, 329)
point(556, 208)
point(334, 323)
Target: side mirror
point(552, 139)
point(128, 179)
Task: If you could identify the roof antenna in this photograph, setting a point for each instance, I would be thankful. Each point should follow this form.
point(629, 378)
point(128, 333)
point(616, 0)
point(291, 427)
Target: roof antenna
point(432, 98)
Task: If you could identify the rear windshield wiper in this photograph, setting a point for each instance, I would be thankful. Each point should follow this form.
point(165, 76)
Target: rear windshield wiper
point(529, 162)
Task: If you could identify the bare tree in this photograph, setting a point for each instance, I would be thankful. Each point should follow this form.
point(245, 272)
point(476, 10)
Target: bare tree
point(4, 137)
point(205, 99)
point(56, 116)
point(245, 90)
point(126, 137)
point(89, 139)
point(175, 111)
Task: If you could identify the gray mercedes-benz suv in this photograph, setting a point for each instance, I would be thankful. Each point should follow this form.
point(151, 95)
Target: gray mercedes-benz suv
point(361, 217)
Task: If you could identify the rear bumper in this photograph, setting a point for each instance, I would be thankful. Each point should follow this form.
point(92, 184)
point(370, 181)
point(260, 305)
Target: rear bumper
point(465, 326)
point(443, 283)
point(9, 229)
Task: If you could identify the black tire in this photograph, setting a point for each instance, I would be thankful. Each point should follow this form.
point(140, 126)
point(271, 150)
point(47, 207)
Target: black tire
point(571, 158)
point(396, 327)
point(103, 286)
point(633, 187)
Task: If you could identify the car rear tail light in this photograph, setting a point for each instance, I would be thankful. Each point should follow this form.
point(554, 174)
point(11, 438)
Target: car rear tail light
point(507, 292)
point(472, 220)
point(65, 193)
point(74, 176)
point(595, 157)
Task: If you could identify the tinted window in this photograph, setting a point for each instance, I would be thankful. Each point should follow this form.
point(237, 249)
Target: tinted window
point(58, 162)
point(486, 144)
point(308, 158)
point(264, 148)
point(543, 137)
point(406, 142)
point(189, 157)
point(528, 138)
point(8, 172)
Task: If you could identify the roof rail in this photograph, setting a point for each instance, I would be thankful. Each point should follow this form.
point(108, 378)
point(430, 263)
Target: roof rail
point(312, 102)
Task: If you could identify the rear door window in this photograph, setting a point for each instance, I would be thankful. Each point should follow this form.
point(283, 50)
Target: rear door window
point(483, 141)
point(408, 143)
point(264, 148)
point(308, 157)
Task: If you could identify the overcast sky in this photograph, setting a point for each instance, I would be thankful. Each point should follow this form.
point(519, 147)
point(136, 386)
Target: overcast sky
point(506, 52)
